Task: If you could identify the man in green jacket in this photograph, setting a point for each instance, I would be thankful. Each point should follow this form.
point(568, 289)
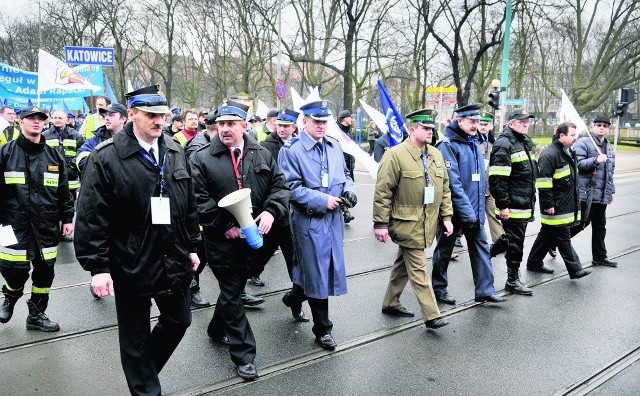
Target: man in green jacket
point(411, 196)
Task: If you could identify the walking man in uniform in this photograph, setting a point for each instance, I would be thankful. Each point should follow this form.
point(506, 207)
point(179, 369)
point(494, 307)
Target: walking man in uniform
point(315, 171)
point(513, 170)
point(411, 196)
point(35, 199)
point(138, 236)
point(468, 183)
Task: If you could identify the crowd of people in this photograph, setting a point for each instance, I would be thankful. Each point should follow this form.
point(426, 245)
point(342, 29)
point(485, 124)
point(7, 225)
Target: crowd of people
point(145, 186)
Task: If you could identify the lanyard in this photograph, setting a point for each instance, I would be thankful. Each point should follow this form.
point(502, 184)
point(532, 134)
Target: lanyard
point(236, 164)
point(426, 167)
point(145, 154)
point(323, 156)
point(486, 147)
point(474, 148)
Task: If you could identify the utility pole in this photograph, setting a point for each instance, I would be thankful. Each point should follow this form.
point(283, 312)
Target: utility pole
point(504, 75)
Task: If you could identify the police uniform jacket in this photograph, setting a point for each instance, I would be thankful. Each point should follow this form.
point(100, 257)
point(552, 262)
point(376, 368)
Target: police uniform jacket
point(602, 182)
point(317, 232)
point(398, 201)
point(463, 159)
point(34, 197)
point(67, 142)
point(558, 186)
point(114, 231)
point(513, 170)
point(214, 178)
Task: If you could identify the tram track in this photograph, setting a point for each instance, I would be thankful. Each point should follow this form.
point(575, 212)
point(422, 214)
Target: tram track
point(272, 293)
point(300, 361)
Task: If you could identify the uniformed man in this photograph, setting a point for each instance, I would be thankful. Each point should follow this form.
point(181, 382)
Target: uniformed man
point(559, 203)
point(315, 171)
point(67, 141)
point(35, 199)
point(95, 120)
point(138, 236)
point(513, 170)
point(468, 183)
point(115, 116)
point(229, 163)
point(411, 196)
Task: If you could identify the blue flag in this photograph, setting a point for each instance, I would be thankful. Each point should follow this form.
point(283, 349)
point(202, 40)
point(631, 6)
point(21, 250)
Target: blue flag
point(29, 103)
point(109, 91)
point(397, 129)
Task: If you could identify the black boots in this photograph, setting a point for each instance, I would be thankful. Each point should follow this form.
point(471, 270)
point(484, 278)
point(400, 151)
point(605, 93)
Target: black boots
point(10, 299)
point(514, 284)
point(37, 320)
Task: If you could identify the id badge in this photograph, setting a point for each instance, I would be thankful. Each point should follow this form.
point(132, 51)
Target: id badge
point(429, 195)
point(475, 177)
point(325, 180)
point(7, 236)
point(160, 212)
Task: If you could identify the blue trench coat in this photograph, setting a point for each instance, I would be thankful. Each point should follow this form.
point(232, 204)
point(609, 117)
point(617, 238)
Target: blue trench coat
point(318, 233)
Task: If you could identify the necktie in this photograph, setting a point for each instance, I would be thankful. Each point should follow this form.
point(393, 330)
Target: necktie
point(152, 153)
point(237, 152)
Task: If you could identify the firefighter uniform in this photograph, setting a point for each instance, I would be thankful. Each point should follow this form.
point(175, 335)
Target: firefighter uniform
point(35, 197)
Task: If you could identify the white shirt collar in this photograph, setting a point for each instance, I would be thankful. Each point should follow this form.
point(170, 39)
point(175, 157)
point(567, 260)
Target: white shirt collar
point(146, 146)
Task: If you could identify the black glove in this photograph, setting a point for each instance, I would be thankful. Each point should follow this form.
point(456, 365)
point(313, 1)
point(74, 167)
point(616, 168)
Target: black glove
point(349, 199)
point(470, 225)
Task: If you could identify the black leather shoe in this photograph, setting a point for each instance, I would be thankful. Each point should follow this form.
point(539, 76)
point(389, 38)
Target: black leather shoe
point(300, 316)
point(492, 299)
point(540, 268)
point(247, 372)
point(605, 262)
point(326, 342)
point(256, 281)
point(436, 323)
point(402, 311)
point(222, 340)
point(579, 274)
point(445, 298)
point(251, 301)
point(198, 300)
point(553, 253)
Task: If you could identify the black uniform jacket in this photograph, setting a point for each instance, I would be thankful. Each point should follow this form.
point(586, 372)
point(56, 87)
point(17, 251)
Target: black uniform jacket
point(34, 194)
point(114, 231)
point(214, 178)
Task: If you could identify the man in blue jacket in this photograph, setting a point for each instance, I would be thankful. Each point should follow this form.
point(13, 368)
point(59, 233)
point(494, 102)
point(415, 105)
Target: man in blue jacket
point(468, 183)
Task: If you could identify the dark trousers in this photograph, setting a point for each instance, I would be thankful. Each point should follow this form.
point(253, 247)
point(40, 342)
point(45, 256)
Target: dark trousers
point(144, 352)
point(514, 231)
point(15, 276)
point(229, 317)
point(549, 237)
point(481, 267)
point(598, 220)
point(319, 310)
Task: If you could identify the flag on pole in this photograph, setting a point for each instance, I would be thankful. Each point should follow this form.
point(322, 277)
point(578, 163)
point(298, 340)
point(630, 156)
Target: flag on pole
point(55, 74)
point(109, 90)
point(568, 113)
point(397, 129)
point(377, 117)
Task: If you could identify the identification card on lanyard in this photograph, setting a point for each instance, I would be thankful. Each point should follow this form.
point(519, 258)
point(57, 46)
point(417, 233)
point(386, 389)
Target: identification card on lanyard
point(7, 236)
point(429, 195)
point(160, 210)
point(475, 177)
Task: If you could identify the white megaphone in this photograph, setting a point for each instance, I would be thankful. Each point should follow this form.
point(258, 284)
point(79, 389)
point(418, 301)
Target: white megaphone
point(238, 203)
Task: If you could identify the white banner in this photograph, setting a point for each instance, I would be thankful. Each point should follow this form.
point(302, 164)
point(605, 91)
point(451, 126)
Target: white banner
point(55, 74)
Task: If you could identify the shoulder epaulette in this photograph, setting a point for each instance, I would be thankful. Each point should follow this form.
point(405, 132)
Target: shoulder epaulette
point(104, 144)
point(290, 142)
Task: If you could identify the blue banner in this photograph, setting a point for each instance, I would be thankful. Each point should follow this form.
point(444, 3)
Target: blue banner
point(17, 87)
point(397, 129)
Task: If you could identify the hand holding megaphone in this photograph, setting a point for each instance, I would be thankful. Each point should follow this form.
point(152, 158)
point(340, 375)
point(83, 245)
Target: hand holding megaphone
point(238, 203)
